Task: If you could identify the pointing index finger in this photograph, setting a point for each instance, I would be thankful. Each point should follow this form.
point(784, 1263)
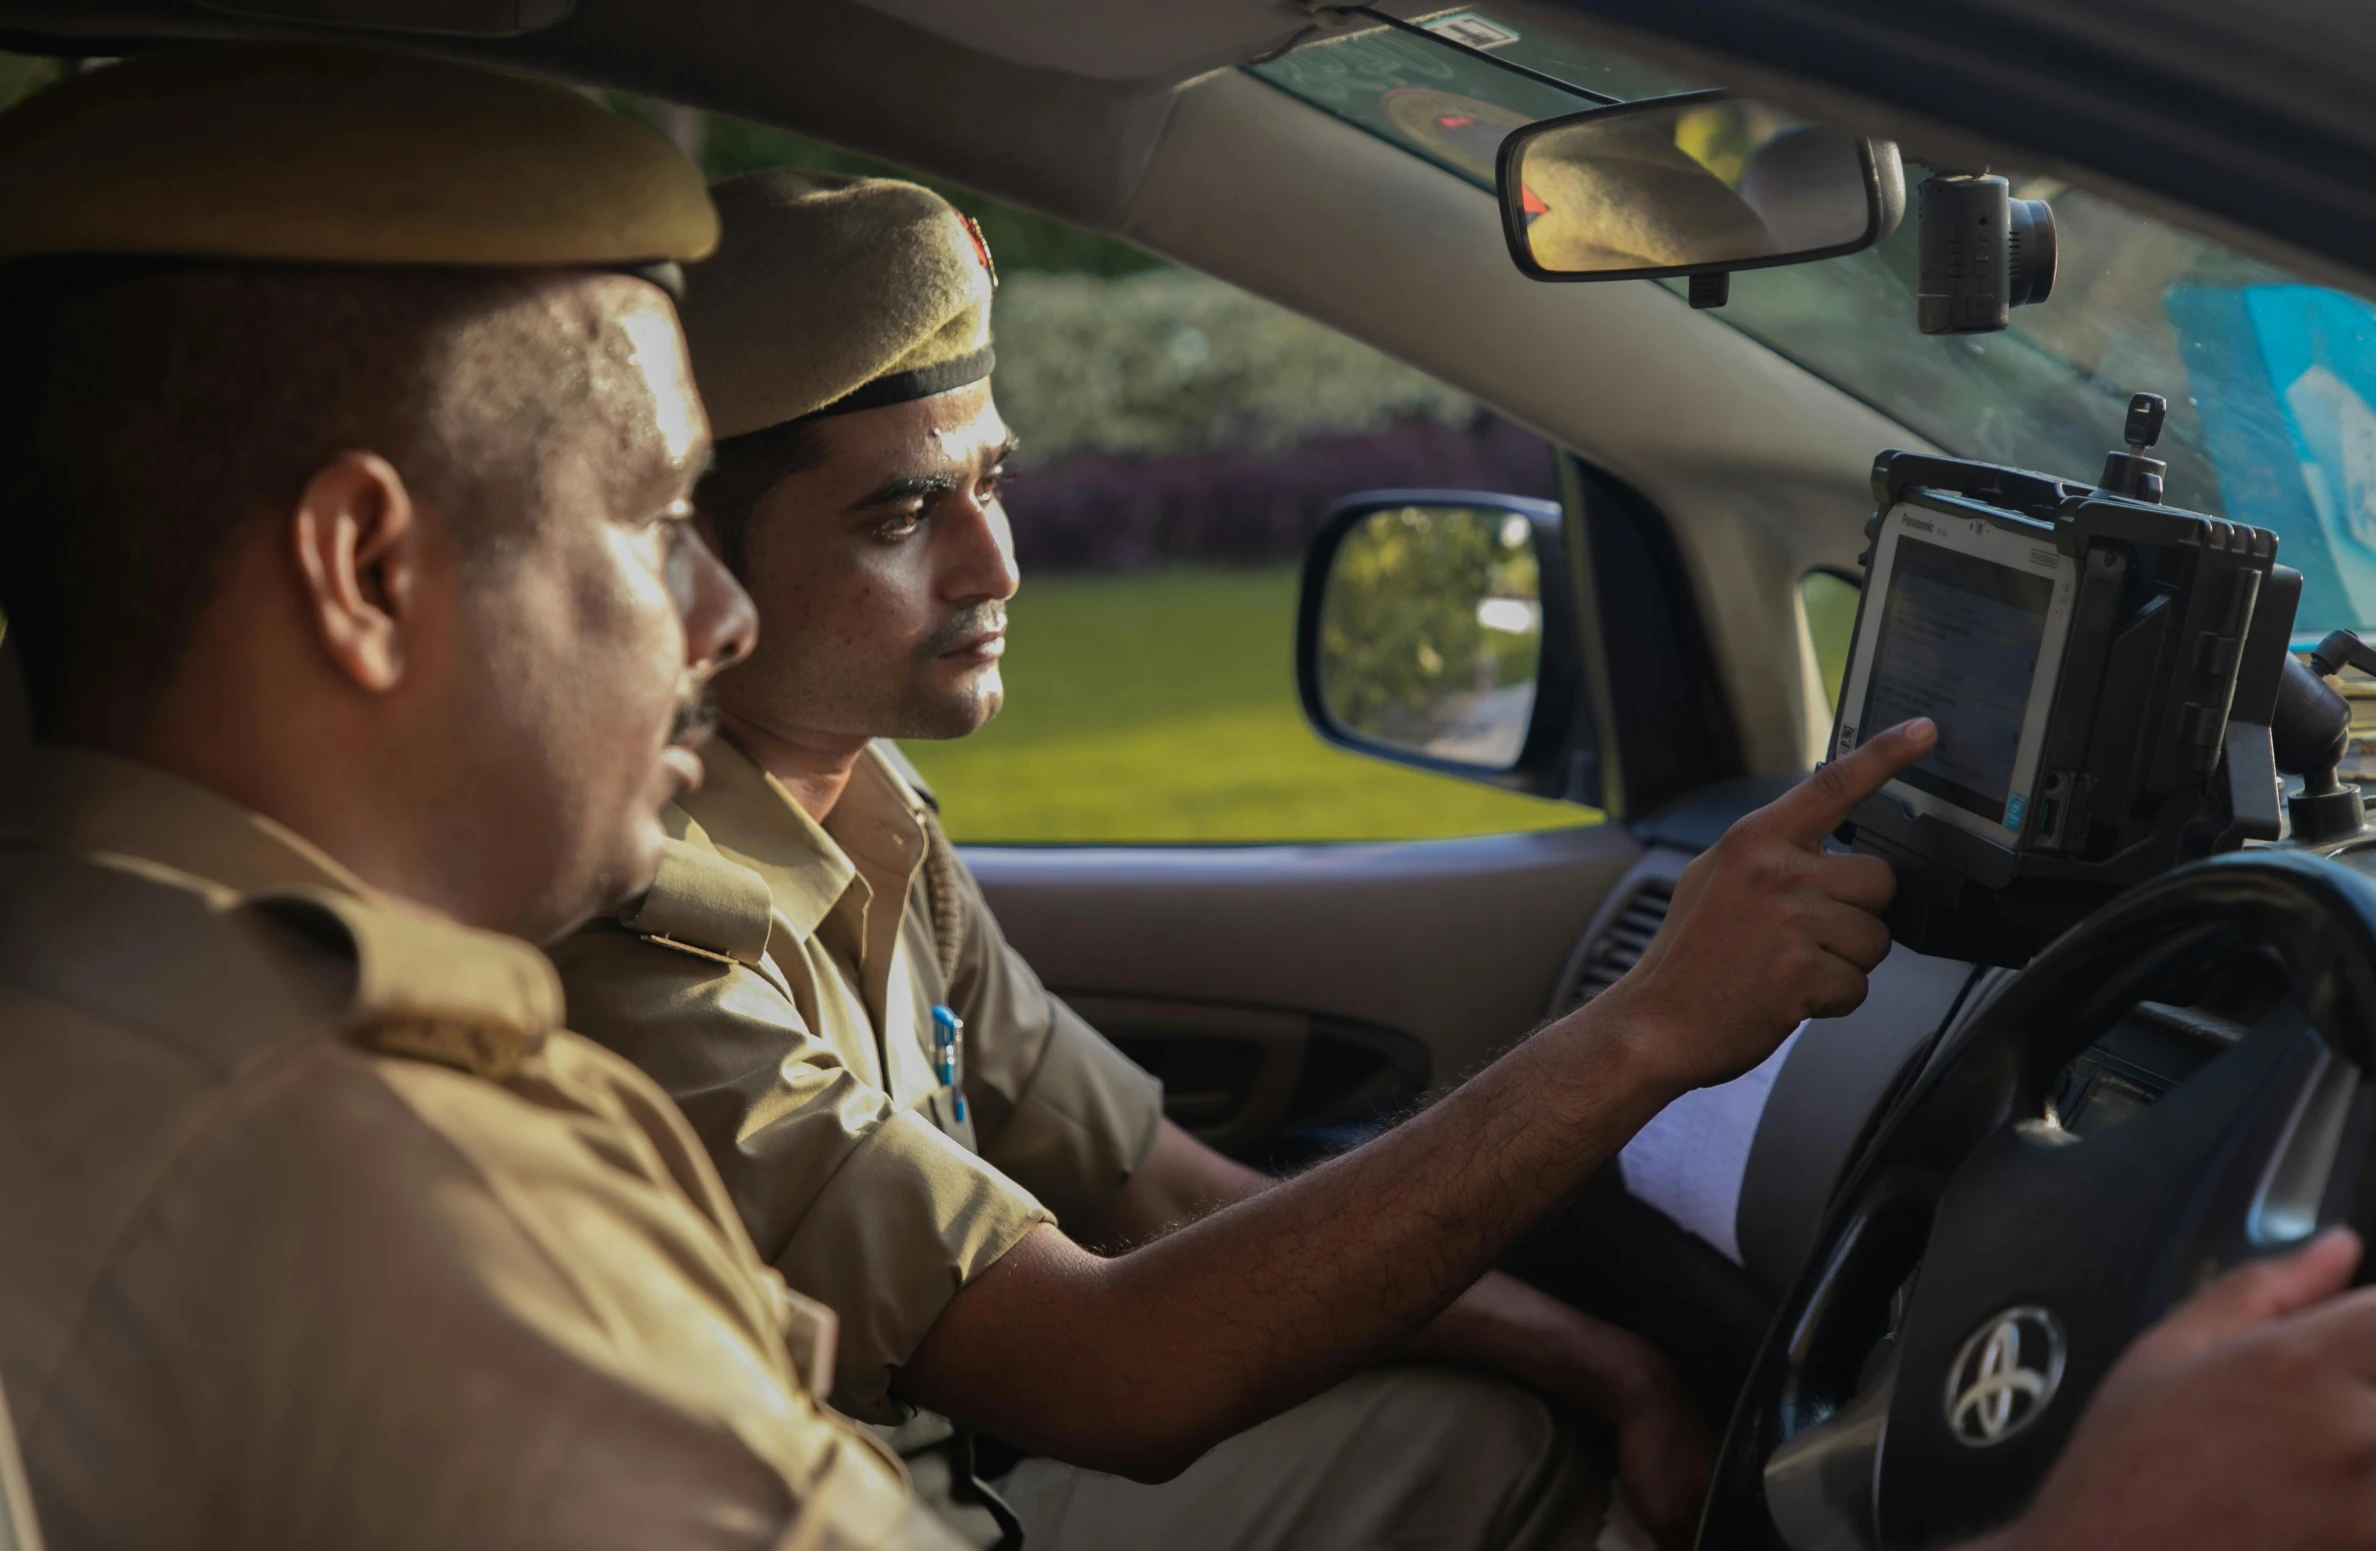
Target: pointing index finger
point(1815, 807)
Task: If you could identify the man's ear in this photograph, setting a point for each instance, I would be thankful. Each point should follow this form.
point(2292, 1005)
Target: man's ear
point(358, 539)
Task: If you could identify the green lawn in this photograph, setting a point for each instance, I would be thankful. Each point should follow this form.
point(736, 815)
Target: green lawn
point(1161, 706)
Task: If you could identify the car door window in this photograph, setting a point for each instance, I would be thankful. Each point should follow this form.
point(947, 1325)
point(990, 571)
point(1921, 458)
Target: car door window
point(1180, 441)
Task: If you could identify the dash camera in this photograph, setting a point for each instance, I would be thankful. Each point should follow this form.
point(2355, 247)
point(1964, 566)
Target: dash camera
point(1982, 254)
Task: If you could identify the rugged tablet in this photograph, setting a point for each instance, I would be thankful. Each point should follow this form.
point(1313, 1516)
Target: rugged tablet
point(1975, 613)
point(2103, 671)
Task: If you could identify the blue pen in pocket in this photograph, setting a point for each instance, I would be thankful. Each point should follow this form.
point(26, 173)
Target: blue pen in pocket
point(948, 1055)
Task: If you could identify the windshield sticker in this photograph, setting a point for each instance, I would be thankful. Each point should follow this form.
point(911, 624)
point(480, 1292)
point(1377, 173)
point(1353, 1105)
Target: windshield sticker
point(1470, 30)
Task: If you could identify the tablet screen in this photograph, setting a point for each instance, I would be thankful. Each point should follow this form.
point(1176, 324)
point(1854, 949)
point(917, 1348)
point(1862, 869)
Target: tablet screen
point(1959, 643)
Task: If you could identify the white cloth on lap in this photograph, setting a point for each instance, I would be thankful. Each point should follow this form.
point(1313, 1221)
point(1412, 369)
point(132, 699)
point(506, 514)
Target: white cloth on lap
point(1689, 1160)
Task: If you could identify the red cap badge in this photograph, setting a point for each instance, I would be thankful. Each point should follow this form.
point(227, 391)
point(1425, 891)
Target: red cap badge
point(973, 229)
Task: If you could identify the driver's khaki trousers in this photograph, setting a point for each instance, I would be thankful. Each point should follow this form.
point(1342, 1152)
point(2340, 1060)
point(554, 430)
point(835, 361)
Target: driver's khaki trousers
point(1406, 1457)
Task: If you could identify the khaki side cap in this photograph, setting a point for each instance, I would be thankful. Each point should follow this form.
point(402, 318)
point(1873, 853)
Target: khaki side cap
point(309, 153)
point(824, 284)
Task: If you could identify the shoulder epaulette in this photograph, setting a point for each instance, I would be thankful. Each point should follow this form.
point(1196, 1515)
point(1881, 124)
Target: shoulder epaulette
point(706, 904)
point(432, 990)
point(229, 978)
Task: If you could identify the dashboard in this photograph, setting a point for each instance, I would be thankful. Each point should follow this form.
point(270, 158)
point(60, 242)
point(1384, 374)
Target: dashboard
point(1831, 1086)
point(1840, 1075)
point(2138, 1060)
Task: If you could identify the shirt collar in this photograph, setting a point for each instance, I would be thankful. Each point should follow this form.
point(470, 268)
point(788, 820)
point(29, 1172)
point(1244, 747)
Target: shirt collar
point(877, 820)
point(753, 819)
point(426, 987)
point(83, 801)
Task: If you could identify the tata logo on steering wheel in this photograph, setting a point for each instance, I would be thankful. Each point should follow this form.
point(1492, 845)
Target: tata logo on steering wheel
point(2005, 1376)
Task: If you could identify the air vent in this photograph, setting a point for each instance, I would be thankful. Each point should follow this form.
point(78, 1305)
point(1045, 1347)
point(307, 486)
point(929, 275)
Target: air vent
point(1621, 943)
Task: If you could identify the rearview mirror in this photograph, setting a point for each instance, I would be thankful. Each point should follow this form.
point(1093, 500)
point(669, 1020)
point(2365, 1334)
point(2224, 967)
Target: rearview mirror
point(1436, 631)
point(1702, 183)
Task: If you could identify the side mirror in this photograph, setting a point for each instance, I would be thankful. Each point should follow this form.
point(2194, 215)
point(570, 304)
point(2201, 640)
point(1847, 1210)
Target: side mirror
point(1701, 183)
point(1438, 629)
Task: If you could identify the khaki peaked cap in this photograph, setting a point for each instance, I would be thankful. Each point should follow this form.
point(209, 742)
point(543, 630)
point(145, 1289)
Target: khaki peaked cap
point(311, 153)
point(831, 292)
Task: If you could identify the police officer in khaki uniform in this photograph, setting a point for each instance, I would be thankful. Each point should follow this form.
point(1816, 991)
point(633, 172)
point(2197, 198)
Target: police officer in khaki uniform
point(844, 329)
point(842, 340)
point(347, 448)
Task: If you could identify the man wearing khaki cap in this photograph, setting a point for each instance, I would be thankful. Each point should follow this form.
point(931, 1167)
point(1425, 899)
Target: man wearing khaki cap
point(841, 338)
point(345, 461)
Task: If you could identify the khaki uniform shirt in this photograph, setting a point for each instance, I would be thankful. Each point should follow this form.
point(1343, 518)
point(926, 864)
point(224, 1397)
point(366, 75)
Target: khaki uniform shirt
point(779, 981)
point(317, 1231)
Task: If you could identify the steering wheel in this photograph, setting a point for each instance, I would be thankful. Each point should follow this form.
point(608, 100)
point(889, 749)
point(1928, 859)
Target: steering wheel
point(1981, 1266)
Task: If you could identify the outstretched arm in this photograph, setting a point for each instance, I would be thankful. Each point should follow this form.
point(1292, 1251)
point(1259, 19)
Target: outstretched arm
point(1141, 1362)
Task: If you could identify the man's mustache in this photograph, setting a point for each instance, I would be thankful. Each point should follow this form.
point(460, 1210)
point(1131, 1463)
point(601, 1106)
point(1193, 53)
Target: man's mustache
point(965, 624)
point(696, 718)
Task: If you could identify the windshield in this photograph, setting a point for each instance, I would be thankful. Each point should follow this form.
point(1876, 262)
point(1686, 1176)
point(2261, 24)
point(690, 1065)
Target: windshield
point(2270, 380)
